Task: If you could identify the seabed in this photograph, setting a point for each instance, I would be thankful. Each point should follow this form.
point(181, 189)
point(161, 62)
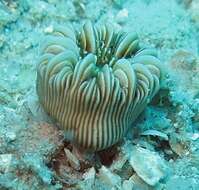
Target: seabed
point(161, 152)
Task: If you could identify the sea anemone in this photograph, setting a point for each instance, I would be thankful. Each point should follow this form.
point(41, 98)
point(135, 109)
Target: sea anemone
point(95, 82)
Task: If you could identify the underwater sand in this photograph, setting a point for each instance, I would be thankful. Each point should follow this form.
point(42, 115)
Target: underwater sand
point(161, 151)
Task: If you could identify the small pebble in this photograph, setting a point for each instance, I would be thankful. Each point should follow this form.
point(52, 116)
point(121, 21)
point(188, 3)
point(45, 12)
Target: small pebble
point(109, 177)
point(10, 136)
point(148, 165)
point(72, 159)
point(127, 185)
point(5, 161)
point(49, 29)
point(122, 16)
point(195, 136)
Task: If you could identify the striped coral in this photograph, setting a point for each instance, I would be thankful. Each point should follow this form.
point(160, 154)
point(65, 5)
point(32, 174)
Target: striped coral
point(95, 82)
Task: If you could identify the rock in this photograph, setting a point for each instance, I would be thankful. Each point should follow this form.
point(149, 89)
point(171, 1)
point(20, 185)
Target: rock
point(181, 183)
point(89, 179)
point(184, 69)
point(148, 165)
point(9, 181)
point(127, 185)
point(194, 5)
point(49, 29)
point(72, 159)
point(36, 164)
point(2, 40)
point(183, 60)
point(118, 3)
point(179, 144)
point(5, 161)
point(155, 133)
point(119, 162)
point(7, 16)
point(31, 105)
point(10, 136)
point(139, 184)
point(195, 136)
point(39, 10)
point(90, 174)
point(79, 7)
point(109, 178)
point(38, 138)
point(122, 16)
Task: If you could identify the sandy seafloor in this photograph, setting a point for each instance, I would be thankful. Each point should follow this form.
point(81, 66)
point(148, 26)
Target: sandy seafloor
point(164, 150)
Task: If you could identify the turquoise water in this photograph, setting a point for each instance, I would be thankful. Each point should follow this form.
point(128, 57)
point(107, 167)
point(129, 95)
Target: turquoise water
point(161, 148)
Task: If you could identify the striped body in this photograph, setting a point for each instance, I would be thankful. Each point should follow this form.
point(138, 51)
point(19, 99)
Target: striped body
point(96, 82)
